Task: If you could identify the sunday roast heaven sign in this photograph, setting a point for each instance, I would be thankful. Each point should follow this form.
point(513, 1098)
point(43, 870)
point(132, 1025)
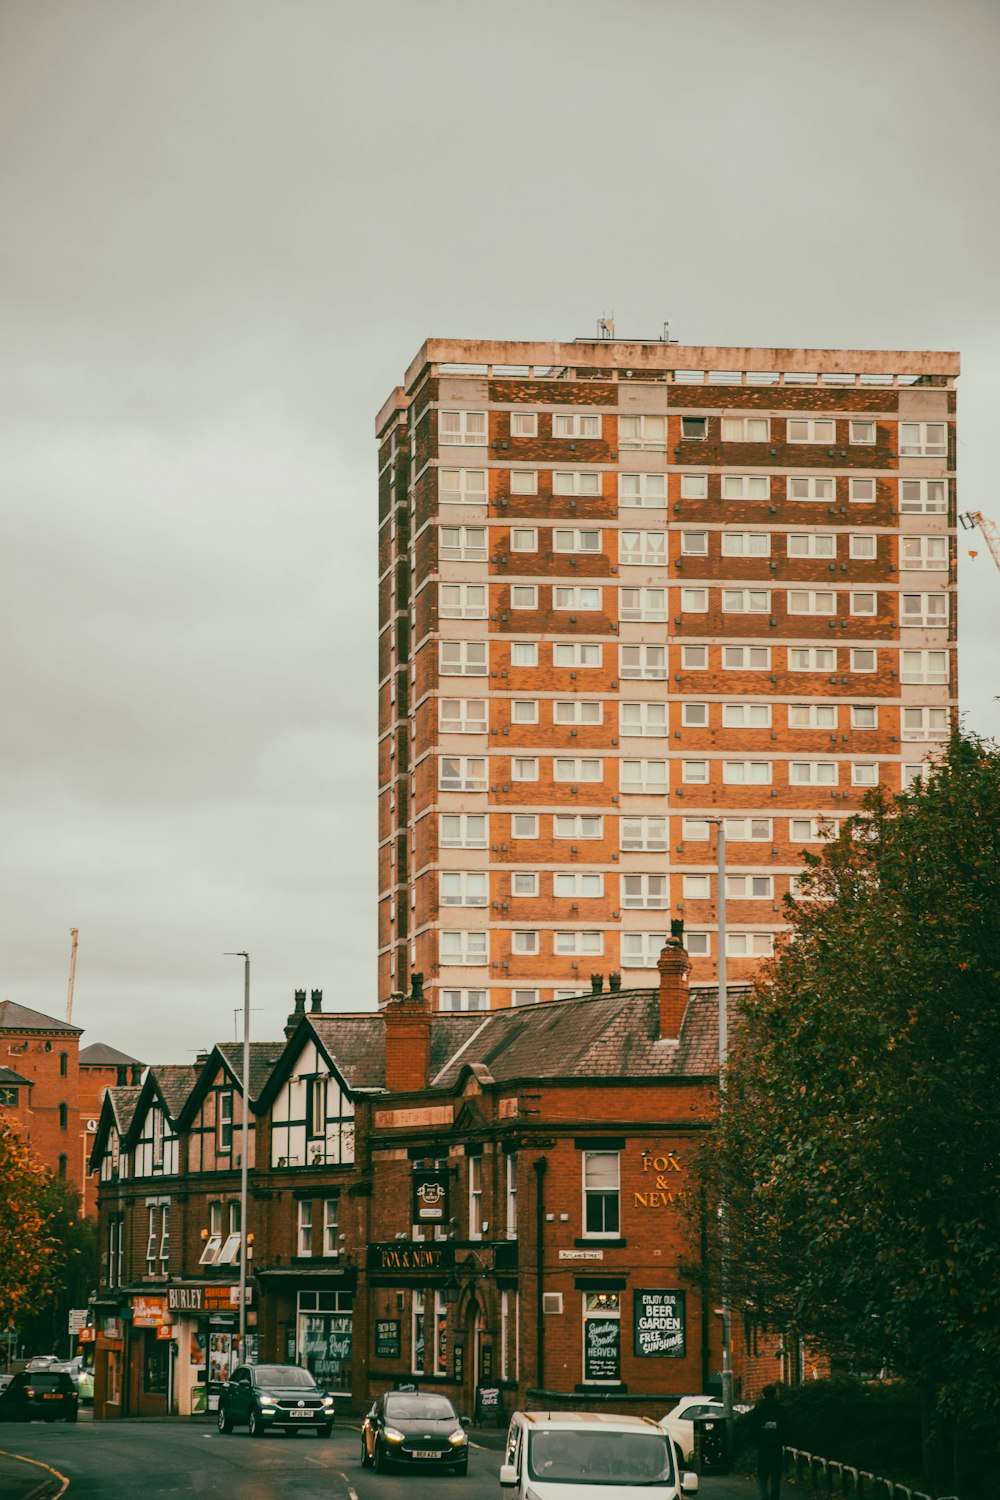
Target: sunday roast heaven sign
point(659, 1324)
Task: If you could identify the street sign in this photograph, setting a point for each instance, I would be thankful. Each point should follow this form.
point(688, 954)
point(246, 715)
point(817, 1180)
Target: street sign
point(77, 1320)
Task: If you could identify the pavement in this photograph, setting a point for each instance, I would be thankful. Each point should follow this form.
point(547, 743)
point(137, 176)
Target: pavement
point(21, 1479)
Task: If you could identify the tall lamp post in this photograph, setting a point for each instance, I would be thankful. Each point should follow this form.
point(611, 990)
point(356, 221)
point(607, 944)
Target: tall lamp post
point(727, 1320)
point(244, 1146)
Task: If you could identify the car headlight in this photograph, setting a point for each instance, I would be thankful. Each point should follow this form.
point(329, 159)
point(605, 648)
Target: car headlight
point(392, 1435)
point(267, 1401)
point(457, 1437)
point(327, 1400)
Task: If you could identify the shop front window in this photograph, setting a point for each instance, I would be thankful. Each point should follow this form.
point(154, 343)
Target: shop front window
point(155, 1364)
point(325, 1337)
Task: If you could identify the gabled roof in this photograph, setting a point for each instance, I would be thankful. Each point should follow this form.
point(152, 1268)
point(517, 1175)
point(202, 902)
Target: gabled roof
point(264, 1056)
point(7, 1075)
point(100, 1055)
point(15, 1017)
point(174, 1082)
point(356, 1043)
point(118, 1109)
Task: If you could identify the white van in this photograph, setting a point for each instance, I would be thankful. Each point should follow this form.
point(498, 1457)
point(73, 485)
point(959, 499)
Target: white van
point(582, 1455)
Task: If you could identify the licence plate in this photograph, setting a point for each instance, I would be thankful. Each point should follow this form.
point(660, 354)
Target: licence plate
point(301, 1414)
point(51, 1396)
point(430, 1453)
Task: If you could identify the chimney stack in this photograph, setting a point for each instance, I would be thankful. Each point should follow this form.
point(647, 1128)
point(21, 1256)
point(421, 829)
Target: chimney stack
point(596, 984)
point(408, 1040)
point(674, 966)
point(122, 1075)
point(316, 1002)
point(297, 1013)
point(136, 1074)
point(614, 982)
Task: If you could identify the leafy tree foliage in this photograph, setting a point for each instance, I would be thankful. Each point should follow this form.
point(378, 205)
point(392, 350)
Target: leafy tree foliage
point(858, 1150)
point(28, 1254)
point(74, 1269)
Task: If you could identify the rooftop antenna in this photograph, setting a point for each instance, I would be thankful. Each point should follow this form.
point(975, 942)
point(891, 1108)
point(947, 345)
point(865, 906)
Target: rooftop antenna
point(606, 326)
point(74, 933)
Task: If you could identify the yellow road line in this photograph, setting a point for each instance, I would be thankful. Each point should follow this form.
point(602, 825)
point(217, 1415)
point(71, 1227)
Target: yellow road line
point(39, 1465)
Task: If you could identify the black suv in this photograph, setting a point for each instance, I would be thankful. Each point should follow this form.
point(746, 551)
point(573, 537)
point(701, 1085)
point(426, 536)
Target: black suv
point(49, 1394)
point(266, 1396)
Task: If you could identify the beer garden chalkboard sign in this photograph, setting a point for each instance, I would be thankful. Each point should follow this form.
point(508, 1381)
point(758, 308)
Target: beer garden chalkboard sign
point(602, 1349)
point(659, 1324)
point(387, 1338)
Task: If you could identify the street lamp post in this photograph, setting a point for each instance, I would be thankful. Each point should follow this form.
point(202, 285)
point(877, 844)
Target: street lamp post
point(244, 1148)
point(727, 1359)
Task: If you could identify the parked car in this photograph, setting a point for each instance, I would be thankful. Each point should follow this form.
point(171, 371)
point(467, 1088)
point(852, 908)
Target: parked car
point(42, 1361)
point(679, 1421)
point(48, 1394)
point(414, 1428)
point(577, 1455)
point(268, 1396)
point(82, 1378)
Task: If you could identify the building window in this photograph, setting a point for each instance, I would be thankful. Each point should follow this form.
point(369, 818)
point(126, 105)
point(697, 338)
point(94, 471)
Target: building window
point(524, 883)
point(462, 601)
point(746, 772)
point(577, 885)
point(152, 1238)
point(746, 658)
point(864, 604)
point(861, 491)
point(63, 1116)
point(642, 432)
point(642, 604)
point(694, 715)
point(9, 1096)
point(465, 1000)
point(695, 772)
point(863, 659)
point(575, 654)
point(524, 424)
point(746, 487)
point(812, 773)
point(862, 432)
point(580, 598)
point(645, 662)
point(811, 430)
point(524, 826)
point(749, 944)
point(924, 609)
point(694, 601)
point(647, 720)
point(923, 552)
point(577, 768)
point(464, 948)
point(925, 723)
point(923, 439)
point(864, 717)
point(698, 944)
point(224, 1117)
point(811, 830)
point(475, 1197)
point(644, 835)
point(693, 543)
point(812, 544)
point(63, 1064)
point(509, 1361)
point(462, 486)
point(601, 1218)
point(920, 497)
point(331, 1225)
point(817, 487)
point(524, 482)
point(463, 715)
point(864, 773)
point(696, 887)
point(911, 774)
point(524, 768)
point(641, 950)
point(576, 424)
point(511, 1195)
point(864, 546)
point(643, 491)
point(524, 711)
point(923, 667)
point(812, 716)
point(458, 429)
point(524, 596)
point(577, 711)
point(524, 539)
point(812, 602)
point(576, 482)
point(524, 997)
point(461, 773)
point(463, 888)
point(746, 601)
point(578, 826)
point(463, 658)
point(463, 831)
point(745, 429)
point(750, 887)
point(812, 659)
point(524, 942)
point(63, 1160)
point(694, 427)
point(305, 1227)
point(647, 547)
point(572, 540)
point(748, 830)
point(577, 944)
point(746, 716)
point(694, 486)
point(524, 654)
point(644, 892)
point(213, 1242)
point(746, 544)
point(417, 1332)
point(648, 777)
point(462, 543)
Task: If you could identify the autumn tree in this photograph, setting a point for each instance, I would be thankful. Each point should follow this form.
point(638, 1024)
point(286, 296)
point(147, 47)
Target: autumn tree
point(858, 1150)
point(29, 1261)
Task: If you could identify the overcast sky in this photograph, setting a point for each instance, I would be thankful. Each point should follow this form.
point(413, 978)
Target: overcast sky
point(227, 227)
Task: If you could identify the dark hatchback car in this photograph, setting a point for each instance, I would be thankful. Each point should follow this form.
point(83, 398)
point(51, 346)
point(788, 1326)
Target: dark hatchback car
point(50, 1395)
point(262, 1397)
point(414, 1428)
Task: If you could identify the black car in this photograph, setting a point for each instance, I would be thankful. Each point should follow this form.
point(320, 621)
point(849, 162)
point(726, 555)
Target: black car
point(49, 1394)
point(266, 1396)
point(414, 1428)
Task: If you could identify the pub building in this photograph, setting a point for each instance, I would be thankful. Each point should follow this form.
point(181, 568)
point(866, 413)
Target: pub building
point(489, 1204)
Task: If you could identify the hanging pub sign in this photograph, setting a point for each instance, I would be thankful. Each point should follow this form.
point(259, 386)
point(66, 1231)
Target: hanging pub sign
point(430, 1197)
point(659, 1324)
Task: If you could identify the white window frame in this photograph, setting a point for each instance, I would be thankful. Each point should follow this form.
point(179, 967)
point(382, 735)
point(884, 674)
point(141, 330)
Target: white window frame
point(915, 667)
point(749, 830)
point(819, 430)
point(641, 663)
point(647, 778)
point(463, 658)
point(695, 772)
point(580, 598)
point(924, 722)
point(642, 491)
point(472, 716)
point(642, 430)
point(694, 601)
point(864, 546)
point(812, 658)
point(523, 424)
point(694, 486)
point(811, 830)
point(746, 773)
point(468, 543)
point(749, 944)
point(465, 432)
point(304, 1228)
point(746, 544)
point(585, 540)
point(524, 653)
point(749, 885)
point(857, 652)
point(742, 658)
point(746, 716)
point(864, 773)
point(463, 888)
point(592, 1185)
point(643, 892)
point(524, 825)
point(524, 538)
point(454, 1000)
point(699, 434)
point(579, 943)
point(524, 710)
point(462, 601)
point(463, 949)
point(746, 486)
point(523, 884)
point(644, 835)
point(863, 431)
point(809, 716)
point(523, 997)
point(642, 604)
point(864, 602)
point(694, 658)
point(577, 768)
point(740, 427)
point(923, 616)
point(923, 497)
point(577, 826)
point(649, 721)
point(812, 544)
point(575, 654)
point(641, 950)
point(523, 596)
point(923, 439)
point(467, 774)
point(862, 491)
point(468, 489)
point(524, 942)
point(586, 482)
point(811, 602)
point(919, 559)
point(649, 548)
point(746, 601)
point(587, 711)
point(576, 426)
point(577, 885)
point(695, 715)
point(813, 773)
point(811, 489)
point(524, 768)
point(456, 831)
point(523, 481)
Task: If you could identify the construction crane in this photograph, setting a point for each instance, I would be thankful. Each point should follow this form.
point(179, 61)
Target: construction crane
point(74, 933)
point(989, 529)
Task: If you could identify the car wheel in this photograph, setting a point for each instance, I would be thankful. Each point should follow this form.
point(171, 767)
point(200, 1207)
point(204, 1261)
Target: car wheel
point(326, 1430)
point(254, 1423)
point(379, 1461)
point(224, 1419)
point(71, 1416)
point(462, 1468)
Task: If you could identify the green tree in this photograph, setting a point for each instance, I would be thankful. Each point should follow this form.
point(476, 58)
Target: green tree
point(28, 1254)
point(858, 1149)
point(73, 1241)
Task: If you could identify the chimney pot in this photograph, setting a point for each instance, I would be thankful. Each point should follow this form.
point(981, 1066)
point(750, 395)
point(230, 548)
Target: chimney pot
point(597, 984)
point(122, 1078)
point(614, 982)
point(316, 1002)
point(136, 1074)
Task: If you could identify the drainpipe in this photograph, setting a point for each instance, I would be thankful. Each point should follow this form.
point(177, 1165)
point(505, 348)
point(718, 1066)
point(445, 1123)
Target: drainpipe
point(541, 1166)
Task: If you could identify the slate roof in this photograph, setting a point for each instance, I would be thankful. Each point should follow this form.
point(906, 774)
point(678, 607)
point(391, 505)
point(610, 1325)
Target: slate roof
point(100, 1055)
point(175, 1080)
point(356, 1043)
point(7, 1075)
point(15, 1017)
point(263, 1058)
point(123, 1102)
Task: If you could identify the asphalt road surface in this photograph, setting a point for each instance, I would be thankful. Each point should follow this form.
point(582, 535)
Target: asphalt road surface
point(157, 1460)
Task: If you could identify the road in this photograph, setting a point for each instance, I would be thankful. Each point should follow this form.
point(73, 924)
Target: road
point(164, 1460)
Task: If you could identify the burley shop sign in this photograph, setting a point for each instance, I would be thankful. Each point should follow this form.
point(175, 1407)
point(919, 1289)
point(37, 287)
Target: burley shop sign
point(199, 1299)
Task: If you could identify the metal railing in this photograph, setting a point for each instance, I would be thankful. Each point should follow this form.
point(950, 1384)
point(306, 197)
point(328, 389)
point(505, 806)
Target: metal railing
point(846, 1481)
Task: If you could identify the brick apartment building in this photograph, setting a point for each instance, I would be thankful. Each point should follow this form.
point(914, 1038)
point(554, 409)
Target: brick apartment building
point(458, 1199)
point(44, 1054)
point(625, 588)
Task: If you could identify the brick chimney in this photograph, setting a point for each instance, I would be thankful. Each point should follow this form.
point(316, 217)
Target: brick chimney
point(674, 966)
point(316, 1002)
point(596, 984)
point(408, 1040)
point(614, 982)
point(297, 1013)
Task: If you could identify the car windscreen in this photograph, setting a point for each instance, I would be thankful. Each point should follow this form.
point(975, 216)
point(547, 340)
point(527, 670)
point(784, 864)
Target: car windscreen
point(419, 1409)
point(620, 1458)
point(49, 1380)
point(291, 1377)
